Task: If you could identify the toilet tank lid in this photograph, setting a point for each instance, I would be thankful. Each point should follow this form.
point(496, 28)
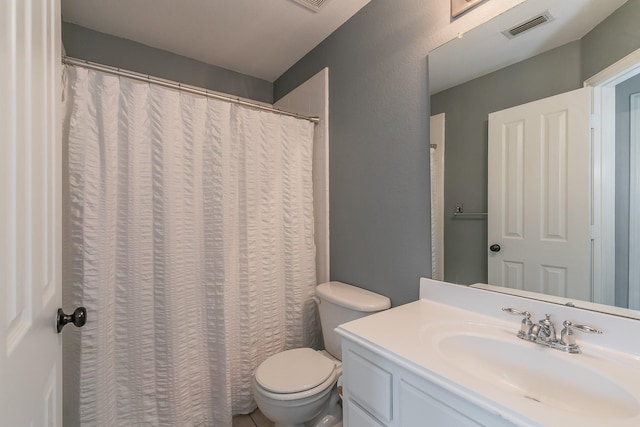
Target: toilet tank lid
point(352, 297)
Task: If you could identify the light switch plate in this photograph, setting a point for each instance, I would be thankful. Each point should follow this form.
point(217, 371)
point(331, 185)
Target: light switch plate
point(458, 7)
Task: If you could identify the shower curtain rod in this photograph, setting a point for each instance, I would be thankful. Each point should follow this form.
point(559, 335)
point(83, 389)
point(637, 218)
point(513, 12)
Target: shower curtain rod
point(179, 86)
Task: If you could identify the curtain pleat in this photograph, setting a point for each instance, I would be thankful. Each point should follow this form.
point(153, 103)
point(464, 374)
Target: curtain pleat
point(191, 245)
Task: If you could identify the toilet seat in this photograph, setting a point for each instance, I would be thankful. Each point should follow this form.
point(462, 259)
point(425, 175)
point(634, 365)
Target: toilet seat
point(294, 371)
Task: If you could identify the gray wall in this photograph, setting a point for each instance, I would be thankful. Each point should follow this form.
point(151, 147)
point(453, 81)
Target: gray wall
point(623, 139)
point(612, 39)
point(466, 107)
point(90, 45)
point(379, 152)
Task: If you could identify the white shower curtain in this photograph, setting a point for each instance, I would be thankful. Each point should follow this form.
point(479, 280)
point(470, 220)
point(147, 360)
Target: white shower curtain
point(191, 246)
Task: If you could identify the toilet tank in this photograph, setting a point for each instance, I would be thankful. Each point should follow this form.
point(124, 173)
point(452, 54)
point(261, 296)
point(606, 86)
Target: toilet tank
point(340, 303)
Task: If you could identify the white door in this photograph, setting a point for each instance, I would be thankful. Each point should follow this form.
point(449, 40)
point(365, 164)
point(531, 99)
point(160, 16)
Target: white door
point(539, 209)
point(30, 162)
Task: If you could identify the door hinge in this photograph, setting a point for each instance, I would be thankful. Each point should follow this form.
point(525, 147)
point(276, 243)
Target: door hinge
point(594, 232)
point(594, 121)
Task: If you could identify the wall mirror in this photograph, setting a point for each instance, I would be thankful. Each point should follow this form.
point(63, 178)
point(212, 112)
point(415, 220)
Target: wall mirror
point(485, 83)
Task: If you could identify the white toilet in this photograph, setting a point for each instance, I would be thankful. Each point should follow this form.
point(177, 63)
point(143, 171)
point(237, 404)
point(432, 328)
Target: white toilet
point(295, 388)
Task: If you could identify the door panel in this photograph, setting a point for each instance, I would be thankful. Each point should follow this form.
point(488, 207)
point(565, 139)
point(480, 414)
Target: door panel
point(513, 180)
point(30, 348)
point(539, 174)
point(553, 175)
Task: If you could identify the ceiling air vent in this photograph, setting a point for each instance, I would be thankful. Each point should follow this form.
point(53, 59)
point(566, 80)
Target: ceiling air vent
point(313, 5)
point(529, 24)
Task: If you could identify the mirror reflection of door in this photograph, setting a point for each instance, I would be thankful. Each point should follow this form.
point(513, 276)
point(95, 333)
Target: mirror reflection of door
point(538, 196)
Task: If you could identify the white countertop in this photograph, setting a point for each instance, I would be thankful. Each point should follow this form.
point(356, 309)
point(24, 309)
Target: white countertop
point(406, 334)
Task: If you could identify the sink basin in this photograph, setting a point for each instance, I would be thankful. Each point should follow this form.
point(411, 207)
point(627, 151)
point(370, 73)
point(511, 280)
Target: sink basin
point(497, 359)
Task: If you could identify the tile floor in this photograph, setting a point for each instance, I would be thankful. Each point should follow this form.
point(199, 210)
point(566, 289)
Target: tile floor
point(255, 419)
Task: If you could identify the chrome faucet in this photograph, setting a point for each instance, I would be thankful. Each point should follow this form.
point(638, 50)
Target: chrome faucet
point(544, 332)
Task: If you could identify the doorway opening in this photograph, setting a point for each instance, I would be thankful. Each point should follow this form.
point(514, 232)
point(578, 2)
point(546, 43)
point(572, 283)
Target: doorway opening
point(608, 288)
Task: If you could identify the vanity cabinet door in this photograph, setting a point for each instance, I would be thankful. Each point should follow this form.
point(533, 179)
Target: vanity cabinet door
point(369, 382)
point(419, 409)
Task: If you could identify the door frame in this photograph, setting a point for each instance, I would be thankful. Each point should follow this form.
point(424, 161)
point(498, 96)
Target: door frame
point(603, 97)
point(437, 140)
point(634, 203)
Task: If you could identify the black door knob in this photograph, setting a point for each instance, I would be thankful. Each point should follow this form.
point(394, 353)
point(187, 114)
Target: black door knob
point(494, 248)
point(78, 318)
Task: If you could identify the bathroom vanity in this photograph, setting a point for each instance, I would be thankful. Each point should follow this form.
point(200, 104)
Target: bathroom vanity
point(454, 358)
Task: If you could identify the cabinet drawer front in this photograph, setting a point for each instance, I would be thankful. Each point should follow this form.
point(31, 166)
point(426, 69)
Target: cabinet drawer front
point(370, 385)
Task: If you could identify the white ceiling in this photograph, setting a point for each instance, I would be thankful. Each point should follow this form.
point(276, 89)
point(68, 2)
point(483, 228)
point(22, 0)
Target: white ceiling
point(261, 38)
point(485, 49)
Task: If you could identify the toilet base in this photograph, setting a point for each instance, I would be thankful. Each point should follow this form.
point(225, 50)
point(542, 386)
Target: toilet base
point(329, 416)
point(329, 421)
point(332, 415)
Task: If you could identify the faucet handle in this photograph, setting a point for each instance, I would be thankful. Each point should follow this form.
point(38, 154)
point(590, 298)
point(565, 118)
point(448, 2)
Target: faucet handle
point(583, 328)
point(517, 312)
point(566, 336)
point(526, 324)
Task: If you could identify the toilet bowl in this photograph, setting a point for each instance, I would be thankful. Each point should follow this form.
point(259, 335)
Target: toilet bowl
point(297, 388)
point(294, 387)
